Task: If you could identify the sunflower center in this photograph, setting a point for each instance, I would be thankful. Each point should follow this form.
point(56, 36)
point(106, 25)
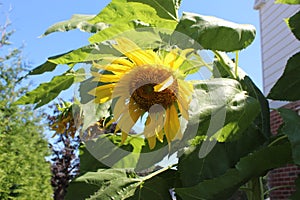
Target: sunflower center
point(143, 92)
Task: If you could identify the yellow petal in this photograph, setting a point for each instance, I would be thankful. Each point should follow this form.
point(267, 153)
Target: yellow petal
point(170, 58)
point(165, 84)
point(181, 58)
point(124, 137)
point(122, 61)
point(172, 125)
point(110, 78)
point(151, 142)
point(183, 107)
point(116, 68)
point(103, 93)
point(134, 53)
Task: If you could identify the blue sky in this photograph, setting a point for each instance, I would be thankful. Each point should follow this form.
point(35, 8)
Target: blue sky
point(31, 18)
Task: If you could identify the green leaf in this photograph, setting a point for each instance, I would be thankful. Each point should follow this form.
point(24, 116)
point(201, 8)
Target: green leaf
point(123, 16)
point(77, 21)
point(216, 34)
point(46, 92)
point(222, 157)
point(291, 128)
point(294, 25)
point(287, 87)
point(226, 105)
point(288, 1)
point(104, 184)
point(167, 9)
point(253, 165)
point(262, 121)
point(296, 194)
point(86, 54)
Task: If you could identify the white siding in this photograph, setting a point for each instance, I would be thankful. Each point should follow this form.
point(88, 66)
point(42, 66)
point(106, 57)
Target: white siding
point(278, 44)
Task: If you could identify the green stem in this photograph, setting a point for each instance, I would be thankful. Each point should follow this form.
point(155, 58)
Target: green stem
point(158, 172)
point(277, 187)
point(277, 139)
point(236, 64)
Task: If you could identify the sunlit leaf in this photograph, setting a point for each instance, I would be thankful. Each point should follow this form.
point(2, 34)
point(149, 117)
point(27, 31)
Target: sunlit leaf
point(76, 22)
point(288, 1)
point(221, 109)
point(85, 54)
point(123, 16)
point(216, 34)
point(254, 165)
point(287, 86)
point(46, 92)
point(294, 24)
point(291, 127)
point(167, 9)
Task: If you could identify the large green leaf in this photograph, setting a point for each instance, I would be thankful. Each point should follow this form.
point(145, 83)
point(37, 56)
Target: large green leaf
point(221, 109)
point(86, 54)
point(46, 92)
point(123, 16)
point(77, 21)
point(222, 157)
point(253, 165)
point(291, 128)
point(121, 184)
point(216, 34)
point(287, 87)
point(167, 9)
point(104, 184)
point(294, 24)
point(288, 1)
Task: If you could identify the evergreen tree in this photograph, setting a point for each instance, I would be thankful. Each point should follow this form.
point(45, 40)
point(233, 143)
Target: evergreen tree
point(24, 172)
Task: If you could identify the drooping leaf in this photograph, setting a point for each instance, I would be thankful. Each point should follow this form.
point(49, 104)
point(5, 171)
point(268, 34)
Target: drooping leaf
point(291, 128)
point(294, 25)
point(288, 1)
point(216, 34)
point(77, 21)
point(287, 87)
point(262, 121)
point(253, 165)
point(123, 16)
point(167, 9)
point(46, 92)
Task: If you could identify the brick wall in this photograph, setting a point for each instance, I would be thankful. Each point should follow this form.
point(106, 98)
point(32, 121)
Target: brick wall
point(283, 177)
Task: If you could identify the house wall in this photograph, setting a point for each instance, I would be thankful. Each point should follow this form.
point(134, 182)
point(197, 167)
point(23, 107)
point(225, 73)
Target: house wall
point(278, 44)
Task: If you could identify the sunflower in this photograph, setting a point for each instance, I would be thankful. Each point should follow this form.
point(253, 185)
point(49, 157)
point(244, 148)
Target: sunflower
point(144, 82)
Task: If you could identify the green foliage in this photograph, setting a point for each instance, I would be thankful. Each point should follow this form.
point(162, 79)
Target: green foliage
point(294, 25)
point(45, 92)
point(287, 86)
point(288, 1)
point(24, 173)
point(76, 22)
point(123, 16)
point(291, 128)
point(225, 103)
point(118, 184)
point(254, 165)
point(210, 32)
point(227, 142)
